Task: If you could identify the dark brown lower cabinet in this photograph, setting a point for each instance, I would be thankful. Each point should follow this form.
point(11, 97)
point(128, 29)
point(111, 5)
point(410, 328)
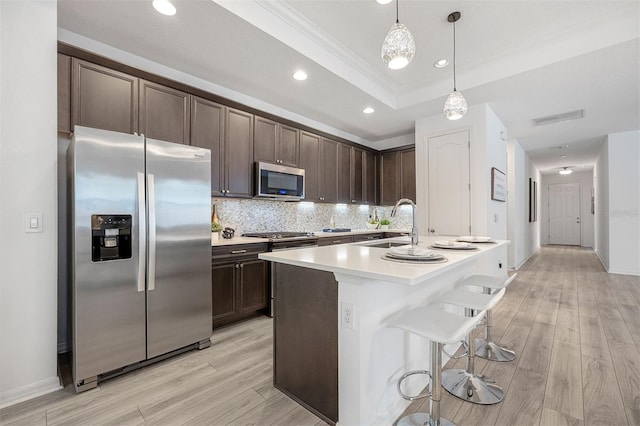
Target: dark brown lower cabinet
point(239, 283)
point(306, 338)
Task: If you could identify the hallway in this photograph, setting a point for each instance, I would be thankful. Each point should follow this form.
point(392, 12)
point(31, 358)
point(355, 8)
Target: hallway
point(576, 330)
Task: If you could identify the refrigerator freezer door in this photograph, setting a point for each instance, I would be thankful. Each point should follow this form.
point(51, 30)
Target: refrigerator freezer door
point(108, 309)
point(179, 299)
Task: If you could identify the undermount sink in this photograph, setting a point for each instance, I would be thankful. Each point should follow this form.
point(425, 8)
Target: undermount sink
point(387, 244)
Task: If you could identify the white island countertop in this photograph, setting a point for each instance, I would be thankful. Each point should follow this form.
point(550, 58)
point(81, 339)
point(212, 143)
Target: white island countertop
point(361, 260)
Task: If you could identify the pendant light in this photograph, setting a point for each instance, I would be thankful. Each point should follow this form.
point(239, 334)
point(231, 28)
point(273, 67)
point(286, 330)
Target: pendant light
point(455, 107)
point(398, 48)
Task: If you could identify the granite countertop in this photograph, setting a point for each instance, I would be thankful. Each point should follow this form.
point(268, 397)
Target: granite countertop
point(252, 240)
point(361, 260)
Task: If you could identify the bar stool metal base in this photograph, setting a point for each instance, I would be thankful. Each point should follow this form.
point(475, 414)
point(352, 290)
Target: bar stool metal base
point(493, 352)
point(468, 387)
point(422, 419)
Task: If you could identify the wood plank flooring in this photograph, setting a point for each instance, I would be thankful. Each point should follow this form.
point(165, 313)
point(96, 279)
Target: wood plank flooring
point(575, 328)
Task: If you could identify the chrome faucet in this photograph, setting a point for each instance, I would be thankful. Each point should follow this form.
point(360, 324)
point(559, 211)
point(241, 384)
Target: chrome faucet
point(414, 229)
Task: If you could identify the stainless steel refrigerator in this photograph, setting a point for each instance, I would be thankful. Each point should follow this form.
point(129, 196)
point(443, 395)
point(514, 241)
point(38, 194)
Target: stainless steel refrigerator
point(140, 251)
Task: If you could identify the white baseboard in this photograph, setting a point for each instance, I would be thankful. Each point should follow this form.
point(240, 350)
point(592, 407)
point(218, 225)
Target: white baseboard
point(33, 390)
point(606, 267)
point(518, 266)
point(616, 271)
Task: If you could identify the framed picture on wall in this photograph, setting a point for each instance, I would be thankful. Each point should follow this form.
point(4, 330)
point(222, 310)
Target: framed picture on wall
point(498, 185)
point(531, 201)
point(535, 201)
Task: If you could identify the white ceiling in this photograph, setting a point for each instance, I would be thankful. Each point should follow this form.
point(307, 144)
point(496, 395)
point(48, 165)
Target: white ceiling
point(526, 59)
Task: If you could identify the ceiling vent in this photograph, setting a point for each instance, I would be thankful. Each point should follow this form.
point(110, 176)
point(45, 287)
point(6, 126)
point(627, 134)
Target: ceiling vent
point(556, 118)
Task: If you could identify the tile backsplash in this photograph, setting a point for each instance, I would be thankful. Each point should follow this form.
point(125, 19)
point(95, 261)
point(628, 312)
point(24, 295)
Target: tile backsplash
point(264, 215)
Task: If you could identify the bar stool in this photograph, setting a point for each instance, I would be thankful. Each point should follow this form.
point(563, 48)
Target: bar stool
point(486, 348)
point(465, 383)
point(439, 327)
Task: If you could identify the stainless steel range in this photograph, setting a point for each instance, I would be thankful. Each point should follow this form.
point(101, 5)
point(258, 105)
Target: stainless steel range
point(281, 240)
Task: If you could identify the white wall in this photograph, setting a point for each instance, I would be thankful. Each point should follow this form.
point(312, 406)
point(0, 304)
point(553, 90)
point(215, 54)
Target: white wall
point(488, 149)
point(624, 203)
point(601, 216)
point(585, 179)
point(28, 130)
point(524, 235)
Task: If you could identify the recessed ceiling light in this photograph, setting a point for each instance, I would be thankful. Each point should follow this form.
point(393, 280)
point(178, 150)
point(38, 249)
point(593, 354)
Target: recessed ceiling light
point(441, 63)
point(383, 1)
point(165, 7)
point(300, 75)
point(368, 110)
point(563, 156)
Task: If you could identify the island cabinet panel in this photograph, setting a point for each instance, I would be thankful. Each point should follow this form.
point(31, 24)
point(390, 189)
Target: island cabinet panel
point(368, 237)
point(207, 131)
point(103, 98)
point(408, 174)
point(306, 338)
point(328, 173)
point(344, 173)
point(64, 93)
point(309, 161)
point(164, 113)
point(238, 148)
point(239, 283)
point(389, 182)
point(370, 178)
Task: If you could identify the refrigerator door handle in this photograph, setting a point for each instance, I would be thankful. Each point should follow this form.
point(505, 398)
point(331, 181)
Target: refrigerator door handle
point(142, 233)
point(151, 276)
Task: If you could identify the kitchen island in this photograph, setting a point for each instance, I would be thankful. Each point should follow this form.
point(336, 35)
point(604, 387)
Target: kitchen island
point(333, 351)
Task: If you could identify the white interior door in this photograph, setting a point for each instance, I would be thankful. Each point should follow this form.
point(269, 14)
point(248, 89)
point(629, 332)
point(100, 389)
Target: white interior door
point(564, 214)
point(449, 186)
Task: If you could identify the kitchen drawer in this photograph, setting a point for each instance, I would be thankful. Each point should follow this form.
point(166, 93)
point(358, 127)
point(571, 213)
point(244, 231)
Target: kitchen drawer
point(368, 237)
point(224, 252)
point(329, 241)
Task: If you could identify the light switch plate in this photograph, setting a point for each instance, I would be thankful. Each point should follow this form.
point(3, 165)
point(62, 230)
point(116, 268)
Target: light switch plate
point(33, 222)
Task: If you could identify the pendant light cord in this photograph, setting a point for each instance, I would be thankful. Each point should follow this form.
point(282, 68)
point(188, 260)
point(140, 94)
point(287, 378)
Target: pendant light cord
point(397, 18)
point(454, 56)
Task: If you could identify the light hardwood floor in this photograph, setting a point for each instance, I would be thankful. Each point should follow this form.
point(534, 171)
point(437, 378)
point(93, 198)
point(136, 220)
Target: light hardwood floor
point(576, 331)
point(575, 328)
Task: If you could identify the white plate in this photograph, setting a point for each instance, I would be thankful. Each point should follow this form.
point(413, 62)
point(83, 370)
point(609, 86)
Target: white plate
point(453, 245)
point(409, 252)
point(475, 239)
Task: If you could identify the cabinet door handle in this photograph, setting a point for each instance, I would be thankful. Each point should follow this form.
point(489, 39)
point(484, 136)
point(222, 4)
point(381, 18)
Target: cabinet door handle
point(237, 266)
point(337, 242)
point(238, 251)
point(242, 265)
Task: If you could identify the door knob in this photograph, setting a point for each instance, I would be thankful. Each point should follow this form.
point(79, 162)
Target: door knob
point(432, 230)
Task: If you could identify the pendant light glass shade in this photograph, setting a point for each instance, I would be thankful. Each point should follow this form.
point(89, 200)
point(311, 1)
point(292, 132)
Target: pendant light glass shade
point(398, 48)
point(455, 107)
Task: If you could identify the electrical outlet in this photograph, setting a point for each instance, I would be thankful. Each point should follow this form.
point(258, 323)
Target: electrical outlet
point(348, 315)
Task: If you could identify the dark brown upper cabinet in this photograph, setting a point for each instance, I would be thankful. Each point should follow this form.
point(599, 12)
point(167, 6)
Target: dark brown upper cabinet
point(64, 93)
point(207, 131)
point(344, 173)
point(397, 176)
point(357, 175)
point(103, 98)
point(309, 161)
point(370, 178)
point(275, 142)
point(328, 172)
point(408, 174)
point(238, 153)
point(164, 113)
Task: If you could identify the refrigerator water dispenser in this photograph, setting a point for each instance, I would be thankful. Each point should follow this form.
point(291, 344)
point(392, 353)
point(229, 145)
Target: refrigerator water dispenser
point(110, 237)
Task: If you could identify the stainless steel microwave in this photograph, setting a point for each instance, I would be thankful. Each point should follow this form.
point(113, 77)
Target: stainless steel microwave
point(279, 182)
